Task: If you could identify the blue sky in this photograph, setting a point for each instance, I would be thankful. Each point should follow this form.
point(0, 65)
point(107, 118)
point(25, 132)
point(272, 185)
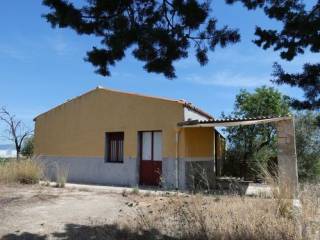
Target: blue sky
point(41, 67)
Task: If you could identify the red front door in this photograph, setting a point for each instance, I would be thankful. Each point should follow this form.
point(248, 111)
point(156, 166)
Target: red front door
point(151, 158)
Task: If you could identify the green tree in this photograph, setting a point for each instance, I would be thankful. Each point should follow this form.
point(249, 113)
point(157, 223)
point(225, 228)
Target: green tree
point(162, 32)
point(27, 147)
point(159, 32)
point(298, 32)
point(253, 145)
point(308, 145)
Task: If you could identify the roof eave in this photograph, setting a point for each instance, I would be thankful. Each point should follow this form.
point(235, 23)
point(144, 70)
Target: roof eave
point(233, 122)
point(198, 110)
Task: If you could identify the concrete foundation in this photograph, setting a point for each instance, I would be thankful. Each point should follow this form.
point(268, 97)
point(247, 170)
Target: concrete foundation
point(168, 173)
point(94, 170)
point(199, 175)
point(195, 171)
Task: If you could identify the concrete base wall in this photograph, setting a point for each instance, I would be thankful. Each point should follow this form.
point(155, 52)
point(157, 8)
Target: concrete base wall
point(169, 173)
point(93, 170)
point(199, 175)
point(190, 170)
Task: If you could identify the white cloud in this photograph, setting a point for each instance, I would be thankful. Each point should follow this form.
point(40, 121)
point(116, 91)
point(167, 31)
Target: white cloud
point(251, 56)
point(230, 79)
point(26, 49)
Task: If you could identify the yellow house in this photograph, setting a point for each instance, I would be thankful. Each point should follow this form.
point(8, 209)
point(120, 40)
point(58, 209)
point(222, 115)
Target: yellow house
point(116, 138)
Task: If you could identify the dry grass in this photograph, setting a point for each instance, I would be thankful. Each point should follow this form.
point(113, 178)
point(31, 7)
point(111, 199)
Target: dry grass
point(24, 171)
point(306, 213)
point(281, 190)
point(229, 217)
point(206, 217)
point(61, 176)
point(310, 220)
point(199, 216)
point(202, 217)
point(209, 217)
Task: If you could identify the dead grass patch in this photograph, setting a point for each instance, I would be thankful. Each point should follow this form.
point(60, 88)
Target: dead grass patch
point(310, 201)
point(61, 176)
point(208, 217)
point(24, 171)
point(200, 217)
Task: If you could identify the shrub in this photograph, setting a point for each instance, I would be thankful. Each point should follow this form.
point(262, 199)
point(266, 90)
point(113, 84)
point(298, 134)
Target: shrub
point(61, 176)
point(308, 146)
point(28, 147)
point(135, 191)
point(24, 171)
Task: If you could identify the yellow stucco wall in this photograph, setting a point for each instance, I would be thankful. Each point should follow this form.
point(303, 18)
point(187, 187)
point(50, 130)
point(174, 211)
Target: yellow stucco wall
point(197, 142)
point(78, 127)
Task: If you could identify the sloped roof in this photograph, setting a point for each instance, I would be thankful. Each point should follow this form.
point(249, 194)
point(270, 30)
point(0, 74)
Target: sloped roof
point(186, 104)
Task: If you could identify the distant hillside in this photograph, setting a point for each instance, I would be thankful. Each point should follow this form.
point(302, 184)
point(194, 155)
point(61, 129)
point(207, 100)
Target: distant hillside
point(7, 151)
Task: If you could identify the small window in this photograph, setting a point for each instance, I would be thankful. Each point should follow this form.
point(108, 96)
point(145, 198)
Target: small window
point(114, 147)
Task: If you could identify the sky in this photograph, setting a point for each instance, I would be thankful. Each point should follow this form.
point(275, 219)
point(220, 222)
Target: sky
point(41, 67)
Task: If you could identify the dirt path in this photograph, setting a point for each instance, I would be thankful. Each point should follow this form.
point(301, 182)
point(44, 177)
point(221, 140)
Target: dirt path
point(32, 212)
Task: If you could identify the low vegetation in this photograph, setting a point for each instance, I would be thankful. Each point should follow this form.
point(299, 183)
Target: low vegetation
point(206, 216)
point(229, 217)
point(200, 216)
point(61, 176)
point(308, 146)
point(135, 190)
point(28, 147)
point(23, 171)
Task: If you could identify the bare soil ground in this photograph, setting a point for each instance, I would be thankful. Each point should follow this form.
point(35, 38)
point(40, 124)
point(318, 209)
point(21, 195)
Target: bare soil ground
point(39, 212)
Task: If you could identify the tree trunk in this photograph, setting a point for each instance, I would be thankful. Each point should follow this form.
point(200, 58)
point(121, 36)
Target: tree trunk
point(18, 154)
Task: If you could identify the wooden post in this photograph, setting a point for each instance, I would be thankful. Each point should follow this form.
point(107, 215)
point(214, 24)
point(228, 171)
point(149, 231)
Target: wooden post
point(214, 158)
